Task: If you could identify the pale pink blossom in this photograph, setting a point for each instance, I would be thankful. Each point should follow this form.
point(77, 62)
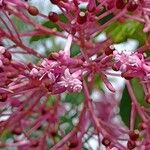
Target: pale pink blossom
point(71, 81)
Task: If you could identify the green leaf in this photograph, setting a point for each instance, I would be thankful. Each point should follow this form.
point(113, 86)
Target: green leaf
point(139, 92)
point(98, 82)
point(5, 135)
point(37, 38)
point(75, 50)
point(125, 104)
point(105, 19)
point(147, 52)
point(125, 107)
point(74, 98)
point(68, 123)
point(19, 24)
point(120, 32)
point(51, 101)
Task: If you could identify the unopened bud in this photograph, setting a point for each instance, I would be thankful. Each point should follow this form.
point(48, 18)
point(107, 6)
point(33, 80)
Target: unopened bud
point(82, 18)
point(32, 10)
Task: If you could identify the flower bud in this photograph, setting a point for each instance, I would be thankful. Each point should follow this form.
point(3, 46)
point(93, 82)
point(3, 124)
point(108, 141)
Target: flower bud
point(32, 10)
point(134, 135)
point(131, 145)
point(82, 18)
point(73, 142)
point(7, 55)
point(53, 132)
point(53, 17)
point(106, 141)
point(132, 6)
point(120, 4)
point(108, 51)
point(16, 130)
point(55, 1)
point(3, 97)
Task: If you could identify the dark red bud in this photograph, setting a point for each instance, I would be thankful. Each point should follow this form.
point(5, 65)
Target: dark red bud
point(55, 1)
point(7, 54)
point(53, 132)
point(53, 17)
point(120, 4)
point(30, 65)
point(106, 141)
point(127, 76)
point(44, 111)
point(131, 145)
point(16, 130)
point(73, 143)
point(73, 31)
point(115, 68)
point(134, 135)
point(3, 97)
point(32, 10)
point(82, 18)
point(132, 6)
point(108, 51)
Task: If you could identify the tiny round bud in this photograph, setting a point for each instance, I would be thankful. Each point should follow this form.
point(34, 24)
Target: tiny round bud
point(108, 51)
point(127, 76)
point(82, 18)
point(73, 143)
point(53, 132)
point(120, 4)
point(16, 130)
point(106, 141)
point(131, 145)
point(55, 1)
point(132, 6)
point(7, 54)
point(44, 110)
point(3, 97)
point(32, 10)
point(73, 31)
point(134, 135)
point(53, 17)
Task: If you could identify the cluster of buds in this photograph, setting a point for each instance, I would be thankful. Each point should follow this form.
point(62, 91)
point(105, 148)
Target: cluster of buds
point(31, 95)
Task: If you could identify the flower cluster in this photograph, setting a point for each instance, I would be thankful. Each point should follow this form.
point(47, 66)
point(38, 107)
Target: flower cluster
point(34, 97)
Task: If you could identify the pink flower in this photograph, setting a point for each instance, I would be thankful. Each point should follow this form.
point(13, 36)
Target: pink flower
point(127, 59)
point(34, 72)
point(71, 81)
